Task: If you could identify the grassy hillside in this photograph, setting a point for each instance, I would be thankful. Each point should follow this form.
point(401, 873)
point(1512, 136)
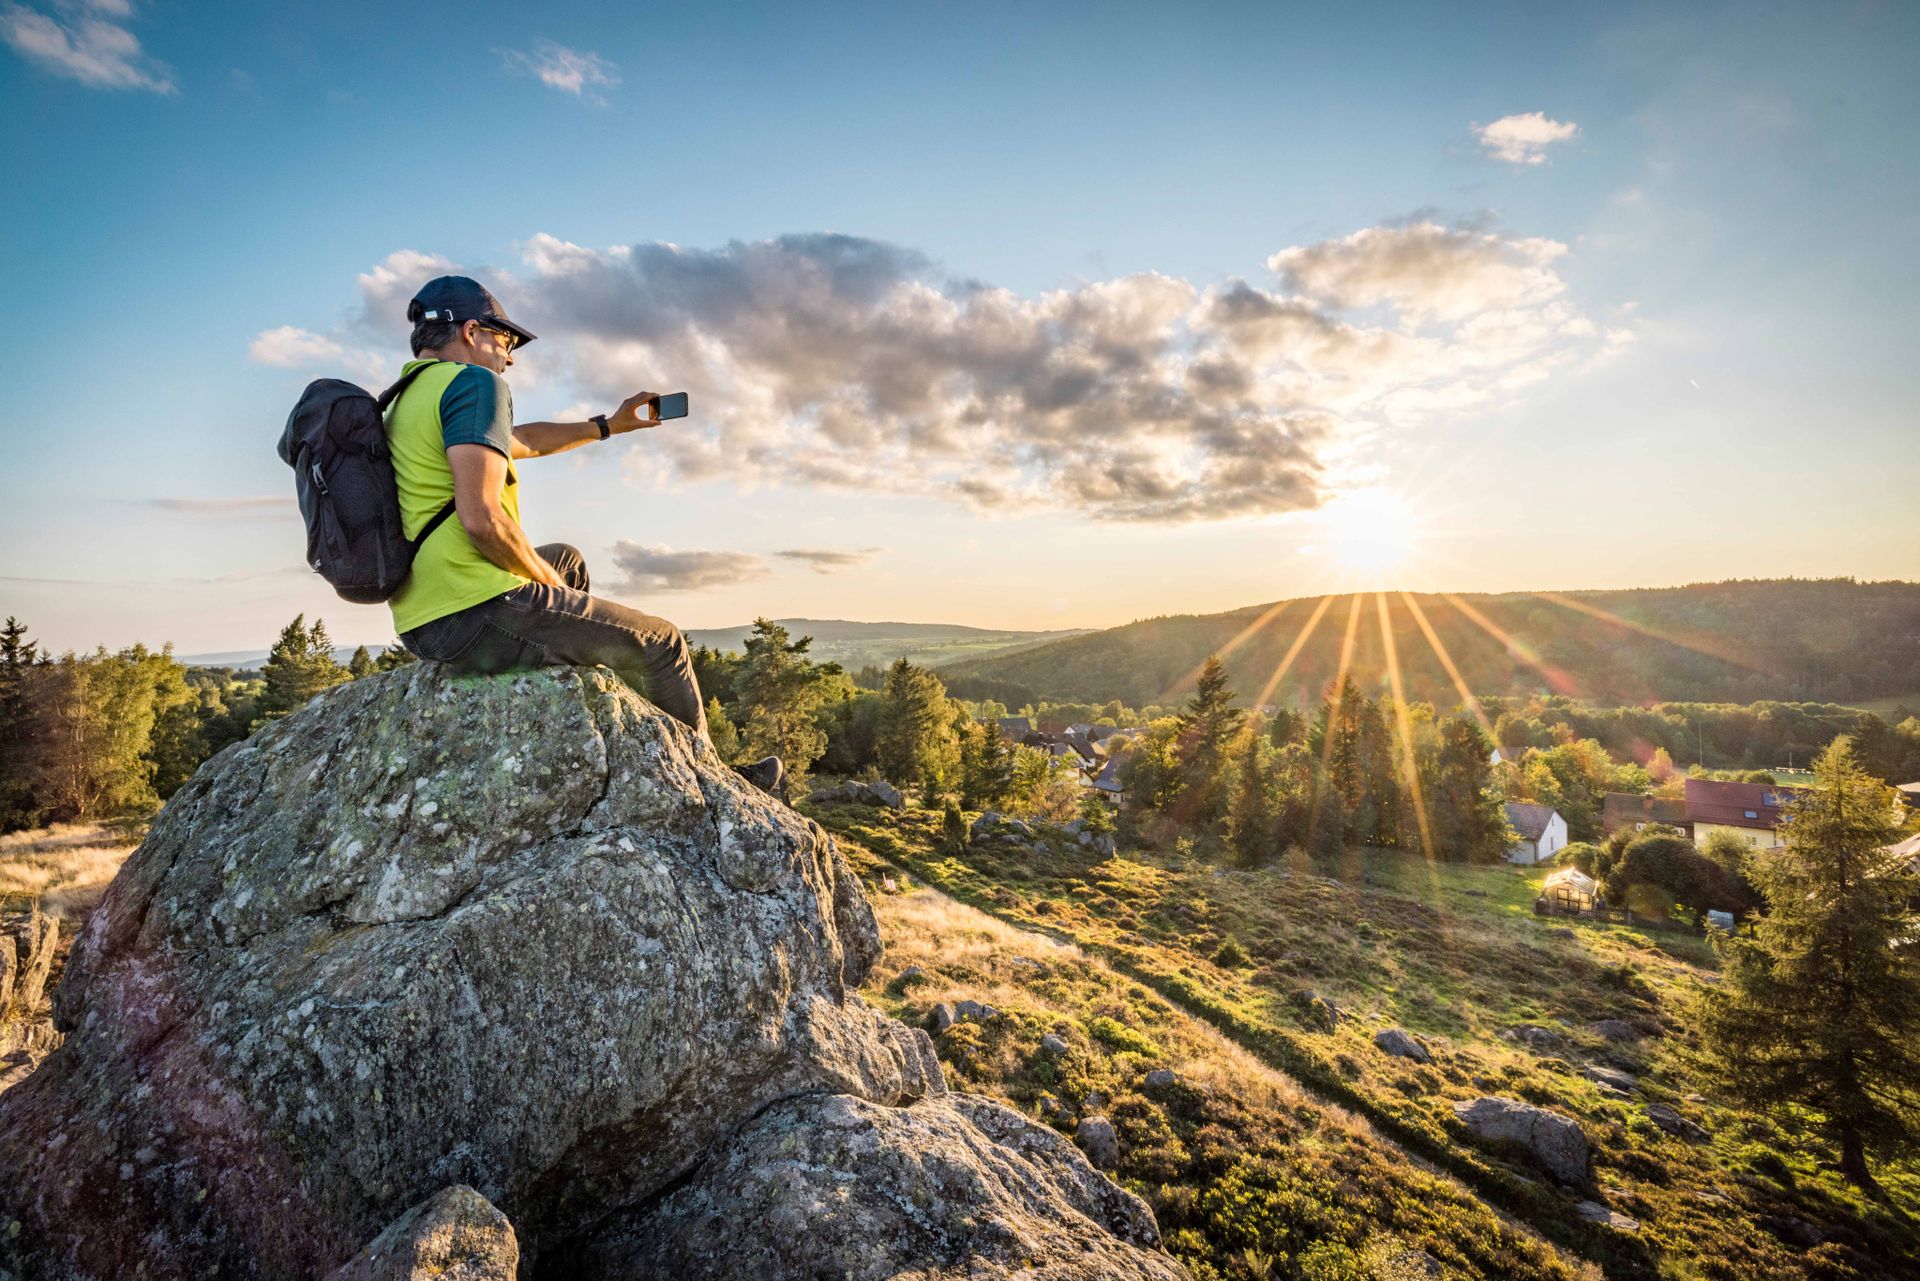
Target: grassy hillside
point(1789, 639)
point(855, 645)
point(1317, 965)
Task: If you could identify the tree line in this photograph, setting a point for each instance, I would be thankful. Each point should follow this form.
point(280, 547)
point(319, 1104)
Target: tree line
point(114, 733)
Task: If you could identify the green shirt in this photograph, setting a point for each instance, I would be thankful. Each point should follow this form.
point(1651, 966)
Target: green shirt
point(448, 404)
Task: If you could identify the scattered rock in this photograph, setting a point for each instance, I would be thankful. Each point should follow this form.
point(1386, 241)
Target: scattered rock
point(1161, 1079)
point(1594, 1212)
point(1533, 1036)
point(833, 1186)
point(1316, 1009)
point(910, 976)
point(988, 820)
point(939, 1018)
point(456, 1235)
point(1564, 932)
point(1076, 827)
point(1053, 1043)
point(1673, 1123)
point(1052, 1107)
point(1555, 1142)
point(1612, 1078)
point(1096, 1137)
point(1084, 839)
point(1025, 963)
point(975, 1011)
point(1094, 1101)
point(523, 933)
point(1614, 1030)
point(1398, 1043)
point(1793, 1231)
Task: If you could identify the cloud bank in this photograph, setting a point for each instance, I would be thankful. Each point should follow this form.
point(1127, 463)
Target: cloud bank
point(1524, 139)
point(840, 362)
point(85, 40)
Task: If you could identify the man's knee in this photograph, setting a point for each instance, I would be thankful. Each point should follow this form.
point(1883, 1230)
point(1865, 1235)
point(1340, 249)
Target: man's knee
point(567, 562)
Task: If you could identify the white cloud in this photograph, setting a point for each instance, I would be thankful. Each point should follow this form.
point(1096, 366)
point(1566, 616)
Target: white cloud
point(568, 70)
point(1424, 271)
point(662, 569)
point(84, 40)
point(836, 362)
point(1524, 139)
point(291, 347)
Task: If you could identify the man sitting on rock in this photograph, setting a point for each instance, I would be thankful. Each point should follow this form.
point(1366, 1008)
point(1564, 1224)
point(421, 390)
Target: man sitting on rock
point(481, 597)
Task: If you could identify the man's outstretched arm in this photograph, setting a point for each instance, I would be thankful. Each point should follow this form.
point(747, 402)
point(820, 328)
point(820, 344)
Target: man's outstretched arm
point(479, 474)
point(537, 440)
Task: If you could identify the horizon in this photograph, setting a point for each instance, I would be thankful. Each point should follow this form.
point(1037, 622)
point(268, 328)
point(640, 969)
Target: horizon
point(980, 333)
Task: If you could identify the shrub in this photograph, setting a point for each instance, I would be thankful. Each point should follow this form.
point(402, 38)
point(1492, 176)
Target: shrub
point(1230, 955)
point(1116, 1035)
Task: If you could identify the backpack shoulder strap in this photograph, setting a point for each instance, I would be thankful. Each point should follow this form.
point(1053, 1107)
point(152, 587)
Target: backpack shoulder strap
point(439, 519)
point(392, 393)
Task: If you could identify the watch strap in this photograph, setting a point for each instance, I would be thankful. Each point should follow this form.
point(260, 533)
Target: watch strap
point(600, 421)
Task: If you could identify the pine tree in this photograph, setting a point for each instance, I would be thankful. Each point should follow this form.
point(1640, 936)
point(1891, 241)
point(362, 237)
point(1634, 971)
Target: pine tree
point(20, 728)
point(778, 695)
point(916, 744)
point(1467, 819)
point(1250, 818)
point(1207, 727)
point(299, 666)
point(394, 655)
point(361, 664)
point(726, 739)
point(1820, 1010)
point(986, 766)
point(953, 828)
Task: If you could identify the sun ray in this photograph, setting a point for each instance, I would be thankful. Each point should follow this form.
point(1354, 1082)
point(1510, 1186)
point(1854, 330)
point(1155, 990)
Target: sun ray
point(1460, 686)
point(1711, 647)
point(1246, 634)
point(1409, 769)
point(1293, 651)
point(1558, 681)
point(1339, 704)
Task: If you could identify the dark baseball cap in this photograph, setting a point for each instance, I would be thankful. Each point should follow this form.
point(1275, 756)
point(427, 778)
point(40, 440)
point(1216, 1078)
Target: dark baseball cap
point(459, 299)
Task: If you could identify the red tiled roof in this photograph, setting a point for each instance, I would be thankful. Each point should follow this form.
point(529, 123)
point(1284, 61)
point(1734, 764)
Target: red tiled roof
point(1760, 805)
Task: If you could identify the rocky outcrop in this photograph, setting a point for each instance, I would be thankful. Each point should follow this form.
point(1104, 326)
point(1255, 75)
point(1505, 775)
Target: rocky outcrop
point(852, 792)
point(832, 1186)
point(522, 933)
point(455, 1235)
point(1555, 1142)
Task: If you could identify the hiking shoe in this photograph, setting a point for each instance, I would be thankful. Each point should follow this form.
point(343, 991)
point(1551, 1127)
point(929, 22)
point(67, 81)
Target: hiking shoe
point(767, 774)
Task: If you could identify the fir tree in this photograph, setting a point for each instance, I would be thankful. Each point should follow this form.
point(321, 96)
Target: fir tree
point(726, 739)
point(1820, 1010)
point(299, 666)
point(986, 767)
point(1467, 819)
point(953, 828)
point(1208, 726)
point(20, 727)
point(779, 693)
point(916, 745)
point(361, 664)
point(1250, 818)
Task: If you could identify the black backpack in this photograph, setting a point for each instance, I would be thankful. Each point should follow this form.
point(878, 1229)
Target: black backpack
point(336, 443)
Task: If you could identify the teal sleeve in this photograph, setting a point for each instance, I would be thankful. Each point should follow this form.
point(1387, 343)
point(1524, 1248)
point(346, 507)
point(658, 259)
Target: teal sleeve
point(477, 409)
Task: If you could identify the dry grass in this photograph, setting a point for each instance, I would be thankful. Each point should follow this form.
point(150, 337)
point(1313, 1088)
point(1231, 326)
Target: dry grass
point(65, 868)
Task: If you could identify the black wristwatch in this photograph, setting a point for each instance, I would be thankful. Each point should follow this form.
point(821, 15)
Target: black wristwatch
point(600, 420)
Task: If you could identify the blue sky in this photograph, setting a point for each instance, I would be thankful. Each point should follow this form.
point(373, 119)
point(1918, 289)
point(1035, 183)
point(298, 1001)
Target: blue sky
point(1676, 346)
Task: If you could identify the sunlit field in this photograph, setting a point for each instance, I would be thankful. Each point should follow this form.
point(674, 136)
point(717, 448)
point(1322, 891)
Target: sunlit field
point(64, 868)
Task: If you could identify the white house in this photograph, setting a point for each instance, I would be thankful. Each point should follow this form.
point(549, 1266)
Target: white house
point(1542, 832)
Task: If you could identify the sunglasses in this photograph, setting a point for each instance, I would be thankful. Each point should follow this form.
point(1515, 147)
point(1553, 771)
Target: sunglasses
point(508, 341)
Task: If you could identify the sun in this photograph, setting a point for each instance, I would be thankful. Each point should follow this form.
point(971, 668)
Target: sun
point(1367, 532)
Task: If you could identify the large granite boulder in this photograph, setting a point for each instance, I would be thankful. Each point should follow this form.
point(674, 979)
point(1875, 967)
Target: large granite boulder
point(834, 1186)
point(524, 934)
point(454, 1235)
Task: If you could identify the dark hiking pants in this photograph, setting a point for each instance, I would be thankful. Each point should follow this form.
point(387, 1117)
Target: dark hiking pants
point(538, 626)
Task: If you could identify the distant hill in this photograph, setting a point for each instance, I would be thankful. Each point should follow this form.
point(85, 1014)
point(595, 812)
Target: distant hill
point(855, 645)
point(1788, 639)
point(852, 645)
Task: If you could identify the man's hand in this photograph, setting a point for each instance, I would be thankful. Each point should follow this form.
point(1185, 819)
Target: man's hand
point(642, 409)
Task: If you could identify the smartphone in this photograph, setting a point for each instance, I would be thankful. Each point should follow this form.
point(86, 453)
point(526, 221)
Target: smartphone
point(672, 405)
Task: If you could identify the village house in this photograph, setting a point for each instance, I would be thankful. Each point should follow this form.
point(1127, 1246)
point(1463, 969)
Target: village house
point(1750, 811)
point(1107, 781)
point(1542, 832)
